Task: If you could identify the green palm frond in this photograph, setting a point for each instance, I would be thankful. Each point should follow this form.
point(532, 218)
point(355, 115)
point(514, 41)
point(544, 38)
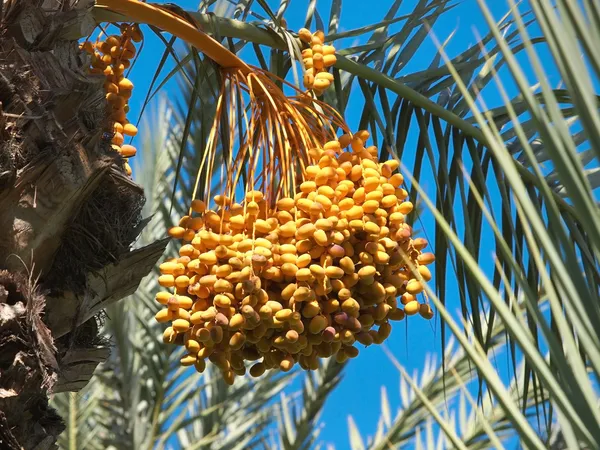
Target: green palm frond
point(470, 423)
point(298, 417)
point(437, 384)
point(233, 418)
point(478, 426)
point(79, 409)
point(558, 243)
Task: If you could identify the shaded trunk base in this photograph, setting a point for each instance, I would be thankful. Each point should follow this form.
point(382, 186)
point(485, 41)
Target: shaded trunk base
point(28, 368)
point(68, 217)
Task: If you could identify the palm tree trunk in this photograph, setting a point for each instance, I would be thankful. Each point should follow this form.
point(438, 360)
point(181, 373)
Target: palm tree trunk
point(68, 217)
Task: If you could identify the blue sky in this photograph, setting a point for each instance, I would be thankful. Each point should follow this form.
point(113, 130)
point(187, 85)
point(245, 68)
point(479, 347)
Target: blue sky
point(359, 393)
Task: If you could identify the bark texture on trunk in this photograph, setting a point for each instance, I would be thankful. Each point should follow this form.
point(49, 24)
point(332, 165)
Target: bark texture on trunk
point(28, 367)
point(68, 217)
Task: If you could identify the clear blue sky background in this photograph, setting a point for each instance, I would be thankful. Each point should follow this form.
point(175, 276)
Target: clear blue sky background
point(360, 391)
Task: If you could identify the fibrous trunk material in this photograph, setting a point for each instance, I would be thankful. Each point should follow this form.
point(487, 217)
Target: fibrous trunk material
point(28, 367)
point(69, 214)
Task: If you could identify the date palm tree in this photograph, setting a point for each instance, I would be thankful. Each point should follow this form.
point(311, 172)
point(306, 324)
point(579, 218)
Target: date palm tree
point(517, 179)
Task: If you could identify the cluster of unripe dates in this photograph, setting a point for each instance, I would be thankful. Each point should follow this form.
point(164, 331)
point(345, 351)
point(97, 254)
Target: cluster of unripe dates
point(112, 57)
point(280, 281)
point(317, 58)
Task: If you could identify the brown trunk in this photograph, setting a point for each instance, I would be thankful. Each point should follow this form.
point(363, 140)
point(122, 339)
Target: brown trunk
point(68, 217)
